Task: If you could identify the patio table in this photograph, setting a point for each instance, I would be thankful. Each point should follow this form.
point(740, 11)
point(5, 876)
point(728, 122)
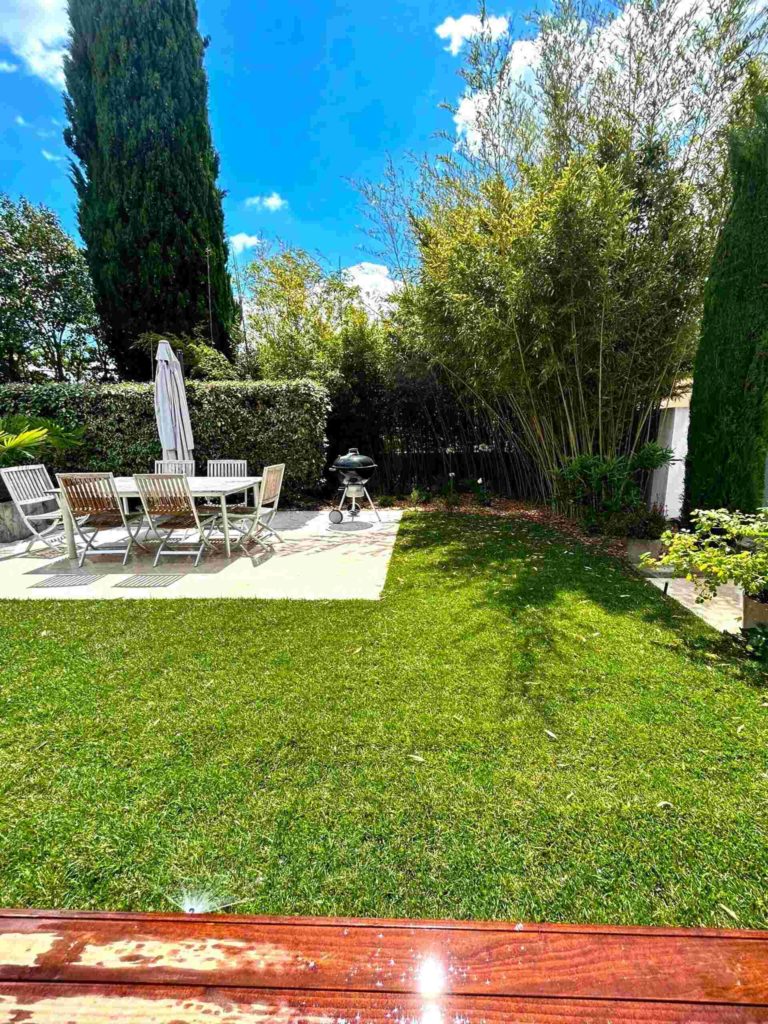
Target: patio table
point(209, 487)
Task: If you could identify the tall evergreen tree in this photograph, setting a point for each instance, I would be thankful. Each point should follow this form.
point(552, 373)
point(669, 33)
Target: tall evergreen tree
point(728, 436)
point(149, 207)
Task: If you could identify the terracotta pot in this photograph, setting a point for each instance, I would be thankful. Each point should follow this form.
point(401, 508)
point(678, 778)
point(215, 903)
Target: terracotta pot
point(754, 613)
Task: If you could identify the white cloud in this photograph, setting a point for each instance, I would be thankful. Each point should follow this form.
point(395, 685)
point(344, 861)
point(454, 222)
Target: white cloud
point(375, 285)
point(468, 119)
point(523, 58)
point(6, 68)
point(456, 31)
point(241, 241)
point(21, 122)
point(36, 31)
point(272, 202)
point(52, 157)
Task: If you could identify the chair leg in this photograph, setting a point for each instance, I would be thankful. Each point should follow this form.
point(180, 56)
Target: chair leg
point(89, 543)
point(135, 536)
point(163, 541)
point(128, 547)
point(41, 535)
point(265, 524)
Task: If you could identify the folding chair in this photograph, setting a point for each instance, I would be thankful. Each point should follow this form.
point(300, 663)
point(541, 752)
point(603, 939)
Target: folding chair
point(30, 487)
point(170, 507)
point(228, 468)
point(95, 506)
point(184, 466)
point(252, 521)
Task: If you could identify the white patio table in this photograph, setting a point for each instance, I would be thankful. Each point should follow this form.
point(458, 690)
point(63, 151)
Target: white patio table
point(209, 487)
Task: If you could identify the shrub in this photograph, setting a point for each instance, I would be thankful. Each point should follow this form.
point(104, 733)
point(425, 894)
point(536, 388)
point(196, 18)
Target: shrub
point(262, 422)
point(29, 438)
point(607, 494)
point(728, 436)
point(723, 547)
point(755, 642)
point(418, 496)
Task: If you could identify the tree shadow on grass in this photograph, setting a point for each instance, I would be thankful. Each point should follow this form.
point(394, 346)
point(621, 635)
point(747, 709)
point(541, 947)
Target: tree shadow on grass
point(538, 578)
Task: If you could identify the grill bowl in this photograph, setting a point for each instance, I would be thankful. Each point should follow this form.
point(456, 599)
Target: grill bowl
point(354, 468)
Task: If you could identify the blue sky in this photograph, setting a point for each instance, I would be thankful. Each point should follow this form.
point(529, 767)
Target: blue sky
point(304, 94)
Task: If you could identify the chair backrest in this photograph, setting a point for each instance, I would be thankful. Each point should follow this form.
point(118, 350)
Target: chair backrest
point(227, 467)
point(271, 485)
point(164, 494)
point(27, 485)
point(175, 466)
point(87, 494)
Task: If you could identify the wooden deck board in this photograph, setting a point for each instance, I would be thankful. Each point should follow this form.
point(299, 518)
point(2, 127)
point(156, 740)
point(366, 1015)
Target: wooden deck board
point(238, 970)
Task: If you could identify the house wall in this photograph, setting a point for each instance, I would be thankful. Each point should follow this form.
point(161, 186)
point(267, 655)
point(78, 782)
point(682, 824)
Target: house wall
point(668, 483)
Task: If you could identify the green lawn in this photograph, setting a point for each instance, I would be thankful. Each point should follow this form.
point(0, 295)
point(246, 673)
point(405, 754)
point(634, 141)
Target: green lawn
point(392, 758)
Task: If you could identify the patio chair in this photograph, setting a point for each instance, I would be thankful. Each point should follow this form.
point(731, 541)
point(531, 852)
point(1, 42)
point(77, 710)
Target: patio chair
point(95, 506)
point(174, 466)
point(251, 521)
point(29, 488)
point(229, 468)
point(170, 507)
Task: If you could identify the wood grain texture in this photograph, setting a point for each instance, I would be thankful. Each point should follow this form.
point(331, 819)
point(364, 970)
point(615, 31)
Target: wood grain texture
point(141, 1004)
point(517, 960)
point(179, 969)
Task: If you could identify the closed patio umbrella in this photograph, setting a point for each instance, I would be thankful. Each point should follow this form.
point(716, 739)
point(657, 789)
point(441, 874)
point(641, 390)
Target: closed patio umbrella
point(171, 410)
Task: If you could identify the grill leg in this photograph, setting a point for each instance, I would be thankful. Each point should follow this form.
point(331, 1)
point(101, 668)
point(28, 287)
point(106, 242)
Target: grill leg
point(370, 502)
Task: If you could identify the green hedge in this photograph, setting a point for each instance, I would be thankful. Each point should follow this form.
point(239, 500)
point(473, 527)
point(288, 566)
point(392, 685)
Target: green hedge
point(262, 422)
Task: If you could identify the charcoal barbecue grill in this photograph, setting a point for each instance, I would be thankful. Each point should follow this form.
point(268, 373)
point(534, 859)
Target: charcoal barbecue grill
point(354, 471)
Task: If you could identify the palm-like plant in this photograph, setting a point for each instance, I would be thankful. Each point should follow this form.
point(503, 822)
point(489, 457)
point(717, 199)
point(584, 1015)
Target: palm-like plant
point(24, 437)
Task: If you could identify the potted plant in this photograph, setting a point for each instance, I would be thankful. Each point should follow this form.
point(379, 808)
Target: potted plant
point(723, 547)
point(26, 439)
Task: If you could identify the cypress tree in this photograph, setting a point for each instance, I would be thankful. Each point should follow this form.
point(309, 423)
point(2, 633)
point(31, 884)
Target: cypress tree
point(146, 173)
point(728, 435)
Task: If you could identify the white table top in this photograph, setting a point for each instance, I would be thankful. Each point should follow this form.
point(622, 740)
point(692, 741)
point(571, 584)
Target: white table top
point(200, 486)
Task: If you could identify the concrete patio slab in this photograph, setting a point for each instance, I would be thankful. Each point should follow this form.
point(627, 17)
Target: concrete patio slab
point(723, 612)
point(316, 561)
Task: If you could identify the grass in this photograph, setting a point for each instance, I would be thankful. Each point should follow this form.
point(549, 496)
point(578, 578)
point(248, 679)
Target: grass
point(520, 729)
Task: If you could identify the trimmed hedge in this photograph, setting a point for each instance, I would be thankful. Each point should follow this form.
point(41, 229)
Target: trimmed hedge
point(263, 422)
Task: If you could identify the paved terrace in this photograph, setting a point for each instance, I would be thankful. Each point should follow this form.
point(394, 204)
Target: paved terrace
point(316, 561)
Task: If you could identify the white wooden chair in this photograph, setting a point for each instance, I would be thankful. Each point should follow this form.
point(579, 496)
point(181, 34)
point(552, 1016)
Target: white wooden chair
point(252, 521)
point(174, 466)
point(95, 505)
point(170, 508)
point(29, 488)
point(229, 468)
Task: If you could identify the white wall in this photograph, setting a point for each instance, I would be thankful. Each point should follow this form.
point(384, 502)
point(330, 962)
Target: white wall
point(667, 484)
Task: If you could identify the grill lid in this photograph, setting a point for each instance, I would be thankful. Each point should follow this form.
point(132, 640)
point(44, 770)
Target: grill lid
point(354, 461)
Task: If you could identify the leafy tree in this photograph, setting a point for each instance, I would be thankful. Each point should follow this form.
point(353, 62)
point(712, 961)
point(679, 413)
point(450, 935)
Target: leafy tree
point(728, 437)
point(559, 302)
point(47, 316)
point(295, 312)
point(149, 207)
point(563, 242)
point(200, 361)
